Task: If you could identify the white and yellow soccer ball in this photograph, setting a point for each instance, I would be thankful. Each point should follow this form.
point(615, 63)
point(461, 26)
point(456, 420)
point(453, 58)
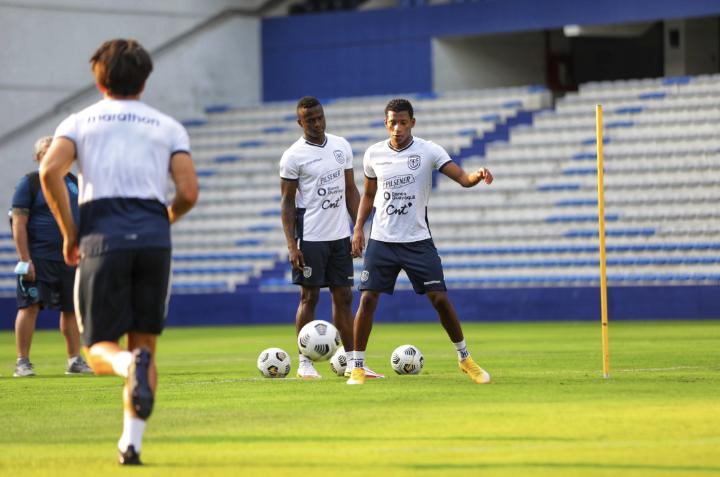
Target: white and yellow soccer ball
point(407, 359)
point(338, 362)
point(318, 340)
point(274, 363)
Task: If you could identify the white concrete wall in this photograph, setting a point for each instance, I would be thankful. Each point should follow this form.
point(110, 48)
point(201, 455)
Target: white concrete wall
point(488, 61)
point(53, 41)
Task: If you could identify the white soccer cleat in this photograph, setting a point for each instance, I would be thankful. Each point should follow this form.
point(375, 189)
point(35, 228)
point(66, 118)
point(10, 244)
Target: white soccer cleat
point(369, 373)
point(306, 370)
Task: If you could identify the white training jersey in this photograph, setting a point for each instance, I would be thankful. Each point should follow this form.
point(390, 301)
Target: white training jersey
point(404, 181)
point(111, 165)
point(320, 197)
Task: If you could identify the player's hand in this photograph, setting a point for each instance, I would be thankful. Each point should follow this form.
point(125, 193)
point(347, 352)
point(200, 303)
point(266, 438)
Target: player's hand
point(30, 275)
point(296, 258)
point(71, 251)
point(482, 174)
point(358, 243)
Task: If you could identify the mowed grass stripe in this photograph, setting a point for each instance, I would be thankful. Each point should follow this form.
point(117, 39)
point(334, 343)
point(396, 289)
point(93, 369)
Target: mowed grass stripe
point(548, 412)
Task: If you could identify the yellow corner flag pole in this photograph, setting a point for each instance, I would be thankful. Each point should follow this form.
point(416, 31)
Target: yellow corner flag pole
point(601, 230)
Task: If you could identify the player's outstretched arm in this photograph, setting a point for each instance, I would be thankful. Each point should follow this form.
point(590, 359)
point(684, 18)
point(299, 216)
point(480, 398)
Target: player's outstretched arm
point(366, 203)
point(458, 174)
point(288, 189)
point(183, 175)
point(54, 167)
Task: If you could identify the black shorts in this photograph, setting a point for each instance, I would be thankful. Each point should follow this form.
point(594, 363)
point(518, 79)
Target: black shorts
point(327, 264)
point(122, 291)
point(52, 288)
point(384, 260)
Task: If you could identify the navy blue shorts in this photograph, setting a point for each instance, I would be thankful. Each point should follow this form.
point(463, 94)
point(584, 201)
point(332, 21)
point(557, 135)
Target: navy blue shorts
point(327, 264)
point(384, 260)
point(52, 288)
point(122, 291)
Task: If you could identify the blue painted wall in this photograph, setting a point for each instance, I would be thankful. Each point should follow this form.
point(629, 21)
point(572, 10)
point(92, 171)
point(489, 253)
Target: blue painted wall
point(491, 304)
point(389, 51)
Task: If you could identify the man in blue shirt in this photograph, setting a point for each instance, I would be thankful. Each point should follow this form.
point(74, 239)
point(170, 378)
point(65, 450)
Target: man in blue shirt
point(44, 280)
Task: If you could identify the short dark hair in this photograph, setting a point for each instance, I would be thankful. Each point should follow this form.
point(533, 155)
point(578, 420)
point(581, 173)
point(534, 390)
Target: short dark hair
point(121, 66)
point(307, 102)
point(399, 104)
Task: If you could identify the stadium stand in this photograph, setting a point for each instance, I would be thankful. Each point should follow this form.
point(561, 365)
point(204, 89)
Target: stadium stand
point(234, 236)
point(535, 226)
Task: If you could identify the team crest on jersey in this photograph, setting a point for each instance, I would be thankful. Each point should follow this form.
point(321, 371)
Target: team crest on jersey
point(339, 156)
point(307, 272)
point(413, 162)
point(364, 276)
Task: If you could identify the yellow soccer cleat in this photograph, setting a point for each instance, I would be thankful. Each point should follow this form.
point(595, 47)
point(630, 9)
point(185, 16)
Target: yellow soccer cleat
point(357, 376)
point(472, 369)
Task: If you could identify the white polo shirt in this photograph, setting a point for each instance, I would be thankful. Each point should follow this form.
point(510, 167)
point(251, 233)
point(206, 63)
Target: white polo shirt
point(404, 181)
point(123, 149)
point(320, 197)
point(123, 155)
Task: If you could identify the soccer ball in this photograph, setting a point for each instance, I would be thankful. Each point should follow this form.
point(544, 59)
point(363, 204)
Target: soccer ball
point(274, 363)
point(407, 359)
point(318, 340)
point(338, 362)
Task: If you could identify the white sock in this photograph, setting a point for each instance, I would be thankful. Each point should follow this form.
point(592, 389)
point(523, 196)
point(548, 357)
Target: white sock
point(133, 429)
point(304, 360)
point(121, 363)
point(72, 359)
point(462, 350)
point(359, 359)
point(349, 356)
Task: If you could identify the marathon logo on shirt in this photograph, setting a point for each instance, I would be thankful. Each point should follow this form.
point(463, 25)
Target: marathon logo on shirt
point(124, 118)
point(396, 182)
point(329, 177)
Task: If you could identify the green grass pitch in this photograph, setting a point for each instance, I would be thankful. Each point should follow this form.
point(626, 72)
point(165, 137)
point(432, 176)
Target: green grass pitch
point(548, 411)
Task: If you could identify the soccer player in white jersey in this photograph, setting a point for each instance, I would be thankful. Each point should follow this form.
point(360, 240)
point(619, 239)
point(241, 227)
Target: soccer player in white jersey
point(398, 180)
point(124, 150)
point(319, 202)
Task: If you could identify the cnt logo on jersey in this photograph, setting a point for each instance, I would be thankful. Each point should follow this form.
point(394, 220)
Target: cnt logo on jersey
point(339, 156)
point(334, 193)
point(400, 201)
point(413, 162)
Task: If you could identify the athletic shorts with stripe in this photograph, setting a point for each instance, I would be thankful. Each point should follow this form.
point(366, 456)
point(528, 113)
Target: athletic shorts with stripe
point(384, 260)
point(121, 291)
point(327, 264)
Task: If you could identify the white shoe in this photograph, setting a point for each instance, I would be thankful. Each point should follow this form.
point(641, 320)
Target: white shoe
point(306, 370)
point(369, 373)
point(77, 365)
point(23, 368)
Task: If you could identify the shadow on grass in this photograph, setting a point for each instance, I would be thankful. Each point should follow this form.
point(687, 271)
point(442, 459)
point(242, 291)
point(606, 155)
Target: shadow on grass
point(569, 465)
point(214, 439)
